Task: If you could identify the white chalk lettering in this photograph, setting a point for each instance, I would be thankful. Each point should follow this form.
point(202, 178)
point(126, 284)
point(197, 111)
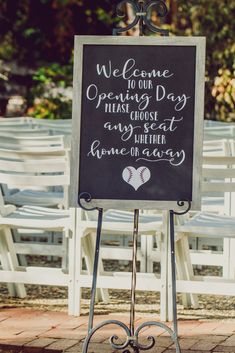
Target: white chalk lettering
point(167, 125)
point(116, 108)
point(125, 130)
point(143, 116)
point(150, 139)
point(129, 70)
point(175, 158)
point(93, 94)
point(179, 100)
point(97, 152)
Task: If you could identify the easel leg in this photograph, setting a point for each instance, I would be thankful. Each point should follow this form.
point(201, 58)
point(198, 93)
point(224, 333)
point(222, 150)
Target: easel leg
point(95, 269)
point(134, 269)
point(173, 277)
point(132, 333)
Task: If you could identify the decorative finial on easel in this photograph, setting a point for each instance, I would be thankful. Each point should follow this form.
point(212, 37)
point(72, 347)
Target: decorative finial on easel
point(142, 11)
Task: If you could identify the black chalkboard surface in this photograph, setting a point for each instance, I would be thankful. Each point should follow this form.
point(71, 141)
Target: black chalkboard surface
point(137, 121)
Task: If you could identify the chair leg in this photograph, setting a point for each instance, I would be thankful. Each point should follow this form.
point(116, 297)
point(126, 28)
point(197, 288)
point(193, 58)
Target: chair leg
point(17, 239)
point(229, 262)
point(65, 250)
point(143, 253)
point(6, 265)
point(74, 297)
point(74, 265)
point(89, 250)
point(232, 260)
point(185, 270)
point(226, 256)
point(10, 261)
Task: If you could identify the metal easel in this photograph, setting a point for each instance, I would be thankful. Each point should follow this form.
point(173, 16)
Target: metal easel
point(142, 10)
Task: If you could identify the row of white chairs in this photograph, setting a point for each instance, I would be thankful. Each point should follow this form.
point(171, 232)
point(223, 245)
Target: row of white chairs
point(42, 162)
point(79, 228)
point(216, 222)
point(26, 126)
point(27, 168)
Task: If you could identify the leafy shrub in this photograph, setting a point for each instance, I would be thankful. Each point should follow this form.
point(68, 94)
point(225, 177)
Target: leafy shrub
point(52, 94)
point(214, 20)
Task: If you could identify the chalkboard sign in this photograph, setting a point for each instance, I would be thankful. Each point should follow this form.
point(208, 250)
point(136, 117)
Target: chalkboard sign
point(137, 121)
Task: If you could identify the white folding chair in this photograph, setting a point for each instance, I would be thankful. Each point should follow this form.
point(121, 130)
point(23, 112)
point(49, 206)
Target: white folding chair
point(31, 217)
point(13, 120)
point(226, 131)
point(58, 126)
point(219, 174)
point(52, 160)
point(30, 169)
point(46, 172)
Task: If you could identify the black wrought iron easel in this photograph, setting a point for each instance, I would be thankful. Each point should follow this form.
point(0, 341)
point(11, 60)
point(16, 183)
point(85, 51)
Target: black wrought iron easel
point(142, 10)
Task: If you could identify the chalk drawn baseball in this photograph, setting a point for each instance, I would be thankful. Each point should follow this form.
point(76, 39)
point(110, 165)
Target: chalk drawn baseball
point(136, 177)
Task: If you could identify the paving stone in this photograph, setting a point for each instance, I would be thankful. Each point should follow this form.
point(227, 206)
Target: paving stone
point(4, 316)
point(186, 351)
point(28, 323)
point(185, 328)
point(11, 351)
point(164, 341)
point(185, 343)
point(37, 345)
point(15, 343)
point(106, 348)
point(222, 352)
point(66, 334)
point(155, 331)
point(7, 332)
point(227, 349)
point(94, 348)
point(62, 344)
point(157, 350)
point(73, 323)
point(10, 347)
point(225, 328)
point(205, 327)
point(204, 345)
point(77, 348)
point(230, 341)
point(214, 338)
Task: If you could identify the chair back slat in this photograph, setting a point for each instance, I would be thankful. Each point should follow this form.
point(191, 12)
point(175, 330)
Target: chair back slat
point(37, 166)
point(33, 180)
point(217, 173)
point(9, 142)
point(217, 187)
point(37, 153)
point(24, 132)
point(49, 167)
point(218, 176)
point(219, 132)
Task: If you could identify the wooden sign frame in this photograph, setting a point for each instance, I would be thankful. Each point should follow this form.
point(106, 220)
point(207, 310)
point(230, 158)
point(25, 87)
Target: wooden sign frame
point(80, 42)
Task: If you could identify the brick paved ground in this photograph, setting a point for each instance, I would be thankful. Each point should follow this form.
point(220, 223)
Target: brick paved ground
point(31, 331)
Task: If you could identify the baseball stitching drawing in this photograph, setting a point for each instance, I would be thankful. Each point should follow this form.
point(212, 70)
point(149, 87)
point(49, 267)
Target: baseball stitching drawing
point(136, 177)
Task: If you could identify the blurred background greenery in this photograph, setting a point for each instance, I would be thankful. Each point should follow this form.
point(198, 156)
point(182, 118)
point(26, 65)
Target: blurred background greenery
point(36, 49)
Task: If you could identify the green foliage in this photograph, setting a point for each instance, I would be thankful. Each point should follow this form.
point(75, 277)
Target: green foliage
point(214, 20)
point(60, 76)
point(223, 91)
point(52, 94)
point(39, 34)
point(29, 28)
point(51, 108)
